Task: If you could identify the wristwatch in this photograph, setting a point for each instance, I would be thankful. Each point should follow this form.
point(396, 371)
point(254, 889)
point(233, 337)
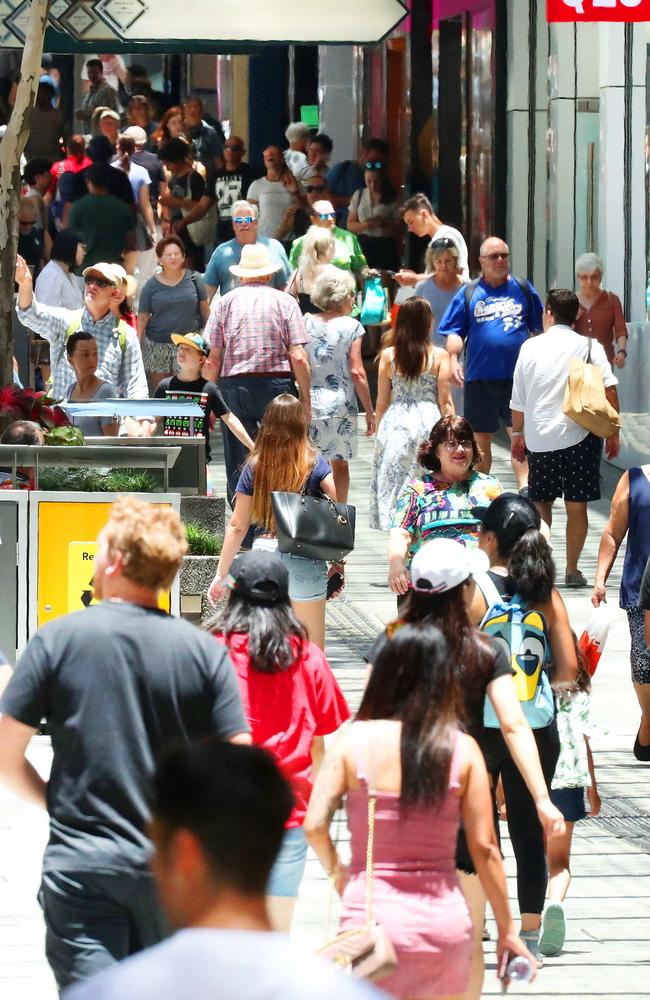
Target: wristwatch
point(517, 434)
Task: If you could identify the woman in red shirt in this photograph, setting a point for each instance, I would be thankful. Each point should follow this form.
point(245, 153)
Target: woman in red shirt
point(290, 696)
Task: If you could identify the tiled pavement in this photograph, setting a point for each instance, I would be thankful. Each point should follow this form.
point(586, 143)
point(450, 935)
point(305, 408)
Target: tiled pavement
point(609, 903)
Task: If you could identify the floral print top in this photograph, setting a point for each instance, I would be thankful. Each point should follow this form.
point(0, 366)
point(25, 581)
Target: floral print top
point(573, 724)
point(429, 507)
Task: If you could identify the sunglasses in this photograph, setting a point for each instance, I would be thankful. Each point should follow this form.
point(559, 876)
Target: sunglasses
point(326, 215)
point(234, 149)
point(495, 256)
point(374, 165)
point(310, 188)
point(99, 282)
point(241, 219)
point(451, 445)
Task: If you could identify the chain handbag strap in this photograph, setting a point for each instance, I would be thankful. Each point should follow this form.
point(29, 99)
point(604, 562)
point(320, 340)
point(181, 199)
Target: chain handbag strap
point(370, 850)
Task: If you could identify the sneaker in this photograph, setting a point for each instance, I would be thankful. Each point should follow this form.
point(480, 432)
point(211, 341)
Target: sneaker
point(553, 933)
point(576, 580)
point(531, 940)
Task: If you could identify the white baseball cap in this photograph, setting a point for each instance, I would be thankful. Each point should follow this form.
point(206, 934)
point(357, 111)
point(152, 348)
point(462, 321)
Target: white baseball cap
point(443, 564)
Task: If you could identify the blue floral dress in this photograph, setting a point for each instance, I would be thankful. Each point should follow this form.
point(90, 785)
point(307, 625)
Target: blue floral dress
point(334, 411)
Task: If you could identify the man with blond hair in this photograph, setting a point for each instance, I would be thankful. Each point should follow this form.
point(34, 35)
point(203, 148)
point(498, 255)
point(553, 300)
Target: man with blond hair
point(116, 683)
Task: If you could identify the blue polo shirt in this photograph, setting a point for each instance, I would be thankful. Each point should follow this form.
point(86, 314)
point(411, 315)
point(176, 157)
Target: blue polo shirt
point(494, 327)
point(217, 273)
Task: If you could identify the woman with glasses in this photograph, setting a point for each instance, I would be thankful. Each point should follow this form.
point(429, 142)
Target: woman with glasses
point(348, 254)
point(439, 502)
point(601, 315)
point(412, 391)
point(374, 216)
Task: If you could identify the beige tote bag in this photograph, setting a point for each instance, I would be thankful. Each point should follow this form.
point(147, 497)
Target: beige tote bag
point(585, 400)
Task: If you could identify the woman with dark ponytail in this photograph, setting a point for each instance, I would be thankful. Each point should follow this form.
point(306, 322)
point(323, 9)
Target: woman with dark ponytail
point(522, 572)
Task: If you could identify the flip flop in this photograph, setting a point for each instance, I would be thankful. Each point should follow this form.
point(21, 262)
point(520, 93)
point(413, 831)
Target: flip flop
point(553, 933)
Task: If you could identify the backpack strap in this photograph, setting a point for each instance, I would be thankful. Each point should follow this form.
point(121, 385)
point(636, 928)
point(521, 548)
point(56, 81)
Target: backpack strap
point(525, 288)
point(468, 293)
point(73, 327)
point(489, 590)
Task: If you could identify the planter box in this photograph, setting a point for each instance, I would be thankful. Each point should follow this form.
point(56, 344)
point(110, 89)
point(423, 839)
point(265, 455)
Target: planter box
point(209, 512)
point(197, 573)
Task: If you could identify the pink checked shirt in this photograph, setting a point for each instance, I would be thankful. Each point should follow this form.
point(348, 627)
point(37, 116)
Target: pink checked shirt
point(256, 326)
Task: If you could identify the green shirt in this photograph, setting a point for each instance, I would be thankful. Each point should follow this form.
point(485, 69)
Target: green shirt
point(103, 222)
point(348, 254)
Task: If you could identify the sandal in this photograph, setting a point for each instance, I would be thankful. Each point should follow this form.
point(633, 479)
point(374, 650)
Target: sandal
point(576, 580)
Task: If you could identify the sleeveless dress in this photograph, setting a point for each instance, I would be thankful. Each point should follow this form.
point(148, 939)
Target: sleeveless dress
point(417, 897)
point(636, 557)
point(407, 422)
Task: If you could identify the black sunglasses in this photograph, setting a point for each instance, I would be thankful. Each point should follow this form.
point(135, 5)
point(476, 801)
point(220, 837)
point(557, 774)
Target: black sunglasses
point(310, 188)
point(100, 282)
point(234, 149)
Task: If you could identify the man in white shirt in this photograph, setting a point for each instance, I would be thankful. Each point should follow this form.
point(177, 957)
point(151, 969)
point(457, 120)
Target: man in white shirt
point(277, 196)
point(219, 815)
point(564, 458)
point(420, 219)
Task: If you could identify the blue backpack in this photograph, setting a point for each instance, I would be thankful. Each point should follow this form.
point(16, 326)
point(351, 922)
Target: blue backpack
point(525, 636)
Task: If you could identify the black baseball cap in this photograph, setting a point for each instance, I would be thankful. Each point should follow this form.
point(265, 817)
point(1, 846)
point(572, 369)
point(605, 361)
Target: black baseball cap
point(509, 517)
point(259, 576)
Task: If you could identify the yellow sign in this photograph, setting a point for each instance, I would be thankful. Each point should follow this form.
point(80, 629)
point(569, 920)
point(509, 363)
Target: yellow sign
point(63, 573)
point(81, 557)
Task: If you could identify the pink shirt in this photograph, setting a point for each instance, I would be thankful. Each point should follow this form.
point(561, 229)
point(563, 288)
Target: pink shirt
point(256, 326)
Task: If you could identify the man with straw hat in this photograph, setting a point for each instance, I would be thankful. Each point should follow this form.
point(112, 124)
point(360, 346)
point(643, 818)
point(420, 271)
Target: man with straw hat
point(257, 336)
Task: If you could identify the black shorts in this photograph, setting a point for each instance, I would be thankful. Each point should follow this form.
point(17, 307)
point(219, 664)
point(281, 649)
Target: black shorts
point(572, 473)
point(570, 802)
point(487, 403)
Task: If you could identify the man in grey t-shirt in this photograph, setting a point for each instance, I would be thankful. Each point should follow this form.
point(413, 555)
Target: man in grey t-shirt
point(116, 683)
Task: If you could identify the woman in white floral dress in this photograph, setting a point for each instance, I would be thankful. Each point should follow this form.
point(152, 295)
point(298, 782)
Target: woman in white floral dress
point(413, 393)
point(337, 375)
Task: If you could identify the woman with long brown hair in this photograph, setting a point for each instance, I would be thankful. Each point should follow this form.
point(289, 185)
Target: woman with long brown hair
point(413, 392)
point(283, 460)
point(170, 126)
point(406, 749)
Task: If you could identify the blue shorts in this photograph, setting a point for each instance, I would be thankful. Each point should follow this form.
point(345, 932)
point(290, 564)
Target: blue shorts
point(286, 874)
point(487, 403)
point(307, 577)
point(570, 802)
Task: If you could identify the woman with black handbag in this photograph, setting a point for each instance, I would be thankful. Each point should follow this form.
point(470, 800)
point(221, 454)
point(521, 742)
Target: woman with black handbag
point(285, 463)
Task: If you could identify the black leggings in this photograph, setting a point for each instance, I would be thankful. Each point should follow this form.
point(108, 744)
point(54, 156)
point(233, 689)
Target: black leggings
point(523, 825)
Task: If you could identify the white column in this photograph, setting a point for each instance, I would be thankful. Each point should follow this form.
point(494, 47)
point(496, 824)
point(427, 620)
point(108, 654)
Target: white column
point(338, 98)
point(526, 205)
point(622, 219)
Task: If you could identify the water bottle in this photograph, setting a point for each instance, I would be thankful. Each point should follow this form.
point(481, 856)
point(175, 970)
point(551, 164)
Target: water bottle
point(519, 970)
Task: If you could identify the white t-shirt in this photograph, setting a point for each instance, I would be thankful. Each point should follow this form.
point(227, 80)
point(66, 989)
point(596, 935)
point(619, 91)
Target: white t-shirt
point(206, 964)
point(55, 287)
point(539, 383)
point(361, 204)
point(273, 200)
point(449, 233)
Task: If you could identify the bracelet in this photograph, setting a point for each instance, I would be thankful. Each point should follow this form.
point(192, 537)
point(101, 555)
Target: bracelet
point(517, 434)
point(622, 351)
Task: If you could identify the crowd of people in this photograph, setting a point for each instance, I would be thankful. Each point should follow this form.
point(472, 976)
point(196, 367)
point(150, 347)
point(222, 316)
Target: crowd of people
point(476, 699)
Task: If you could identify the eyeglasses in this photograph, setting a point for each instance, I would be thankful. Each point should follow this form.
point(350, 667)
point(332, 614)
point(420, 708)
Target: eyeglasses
point(99, 282)
point(310, 188)
point(326, 215)
point(452, 445)
point(495, 256)
point(241, 219)
point(374, 165)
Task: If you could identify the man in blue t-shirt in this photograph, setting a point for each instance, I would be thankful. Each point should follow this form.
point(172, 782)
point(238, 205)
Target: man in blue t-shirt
point(491, 324)
point(218, 276)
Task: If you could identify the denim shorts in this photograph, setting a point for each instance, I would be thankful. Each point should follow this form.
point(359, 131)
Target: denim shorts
point(286, 874)
point(570, 802)
point(487, 401)
point(307, 577)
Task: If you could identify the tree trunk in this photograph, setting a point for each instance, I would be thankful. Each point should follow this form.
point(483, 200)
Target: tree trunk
point(11, 150)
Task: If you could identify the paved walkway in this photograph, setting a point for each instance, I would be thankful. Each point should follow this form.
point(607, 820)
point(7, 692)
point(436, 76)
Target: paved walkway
point(609, 903)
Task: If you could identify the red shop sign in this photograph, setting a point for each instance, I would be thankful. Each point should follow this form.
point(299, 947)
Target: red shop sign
point(598, 10)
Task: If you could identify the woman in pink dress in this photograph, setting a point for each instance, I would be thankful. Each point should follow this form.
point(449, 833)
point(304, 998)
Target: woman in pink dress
point(407, 748)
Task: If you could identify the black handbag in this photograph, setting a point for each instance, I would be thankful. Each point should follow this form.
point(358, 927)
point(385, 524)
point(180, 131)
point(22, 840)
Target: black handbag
point(313, 527)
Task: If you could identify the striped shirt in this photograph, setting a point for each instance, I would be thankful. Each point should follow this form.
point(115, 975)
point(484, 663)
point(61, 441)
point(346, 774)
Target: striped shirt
point(256, 326)
point(122, 368)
